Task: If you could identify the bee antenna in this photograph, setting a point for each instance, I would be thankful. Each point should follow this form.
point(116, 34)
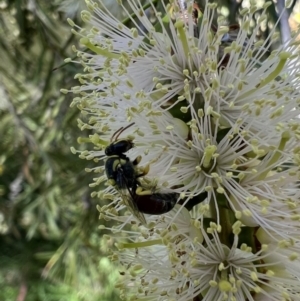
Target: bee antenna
point(116, 132)
point(116, 135)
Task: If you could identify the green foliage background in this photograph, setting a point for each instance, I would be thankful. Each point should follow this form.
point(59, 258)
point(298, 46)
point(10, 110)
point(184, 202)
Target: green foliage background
point(50, 244)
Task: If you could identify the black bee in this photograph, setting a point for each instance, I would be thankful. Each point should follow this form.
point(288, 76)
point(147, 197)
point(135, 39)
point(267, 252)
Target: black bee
point(124, 175)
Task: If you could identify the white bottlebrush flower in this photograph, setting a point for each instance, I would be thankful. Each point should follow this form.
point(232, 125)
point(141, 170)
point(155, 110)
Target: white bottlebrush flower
point(176, 262)
point(128, 79)
point(215, 119)
point(178, 68)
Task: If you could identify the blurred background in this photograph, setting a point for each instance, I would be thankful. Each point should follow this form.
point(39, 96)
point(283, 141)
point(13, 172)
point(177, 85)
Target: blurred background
point(50, 244)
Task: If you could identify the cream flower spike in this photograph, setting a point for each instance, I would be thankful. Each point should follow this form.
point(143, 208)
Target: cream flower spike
point(202, 186)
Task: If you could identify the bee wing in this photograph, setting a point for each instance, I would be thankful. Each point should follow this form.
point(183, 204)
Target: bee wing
point(128, 198)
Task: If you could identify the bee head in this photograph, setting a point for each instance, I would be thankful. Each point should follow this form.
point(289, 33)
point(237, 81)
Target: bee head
point(119, 147)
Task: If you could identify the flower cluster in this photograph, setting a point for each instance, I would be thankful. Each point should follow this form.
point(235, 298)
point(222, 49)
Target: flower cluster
point(214, 119)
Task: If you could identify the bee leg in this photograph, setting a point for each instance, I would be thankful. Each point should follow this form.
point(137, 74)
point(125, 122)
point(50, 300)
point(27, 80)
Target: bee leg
point(140, 191)
point(143, 170)
point(137, 160)
point(111, 182)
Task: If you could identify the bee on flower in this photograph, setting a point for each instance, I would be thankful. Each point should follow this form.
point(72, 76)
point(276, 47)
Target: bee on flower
point(195, 148)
